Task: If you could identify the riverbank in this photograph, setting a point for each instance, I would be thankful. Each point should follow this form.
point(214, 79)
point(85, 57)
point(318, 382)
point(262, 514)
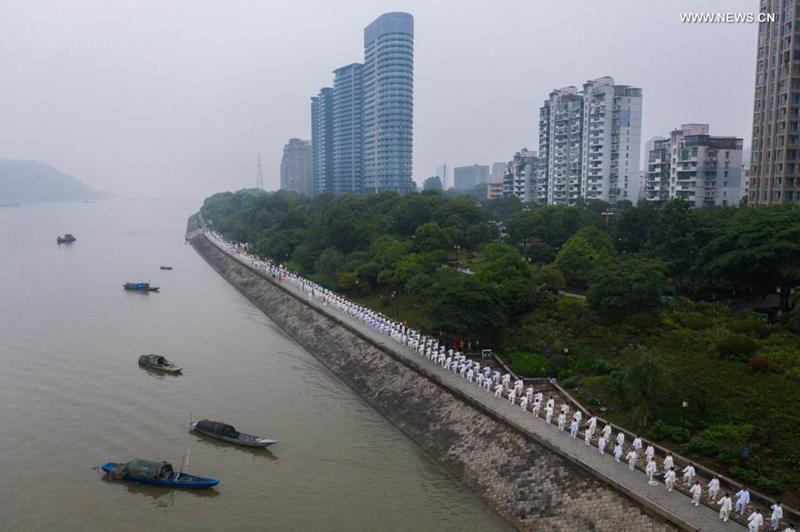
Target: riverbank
point(530, 477)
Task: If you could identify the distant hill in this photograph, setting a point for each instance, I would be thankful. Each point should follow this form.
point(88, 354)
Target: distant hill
point(24, 181)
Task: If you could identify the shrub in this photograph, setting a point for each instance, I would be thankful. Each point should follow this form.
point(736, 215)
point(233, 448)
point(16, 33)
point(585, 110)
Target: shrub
point(695, 321)
point(662, 431)
point(759, 363)
point(736, 346)
point(604, 366)
point(750, 326)
point(570, 382)
point(723, 441)
point(529, 364)
point(643, 320)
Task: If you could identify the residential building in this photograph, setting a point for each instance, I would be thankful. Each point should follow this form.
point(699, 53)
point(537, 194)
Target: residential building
point(466, 177)
point(494, 190)
point(524, 168)
point(657, 174)
point(348, 129)
point(296, 166)
point(388, 107)
point(322, 141)
point(702, 169)
point(589, 144)
point(498, 170)
point(775, 152)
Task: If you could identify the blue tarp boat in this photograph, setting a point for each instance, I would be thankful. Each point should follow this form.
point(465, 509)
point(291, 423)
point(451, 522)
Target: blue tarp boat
point(140, 287)
point(156, 473)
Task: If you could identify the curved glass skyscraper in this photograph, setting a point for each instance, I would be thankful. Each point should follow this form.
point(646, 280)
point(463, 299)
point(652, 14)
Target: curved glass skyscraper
point(388, 103)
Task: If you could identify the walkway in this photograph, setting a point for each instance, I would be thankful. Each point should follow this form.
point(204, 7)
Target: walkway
point(674, 506)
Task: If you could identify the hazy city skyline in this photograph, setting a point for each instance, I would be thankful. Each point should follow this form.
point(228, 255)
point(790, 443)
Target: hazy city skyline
point(148, 97)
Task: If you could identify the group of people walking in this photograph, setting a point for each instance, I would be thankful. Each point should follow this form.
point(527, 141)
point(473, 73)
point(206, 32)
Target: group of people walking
point(491, 380)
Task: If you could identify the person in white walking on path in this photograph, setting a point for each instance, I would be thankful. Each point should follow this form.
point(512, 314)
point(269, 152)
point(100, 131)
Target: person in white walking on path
point(713, 488)
point(669, 478)
point(695, 491)
point(725, 504)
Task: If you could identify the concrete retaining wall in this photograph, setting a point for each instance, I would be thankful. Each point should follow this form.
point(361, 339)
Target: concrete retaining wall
point(523, 481)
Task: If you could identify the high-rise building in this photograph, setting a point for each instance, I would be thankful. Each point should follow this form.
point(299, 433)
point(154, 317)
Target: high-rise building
point(523, 174)
point(775, 153)
point(612, 127)
point(466, 177)
point(498, 170)
point(348, 129)
point(388, 103)
point(693, 165)
point(589, 144)
point(322, 141)
point(657, 174)
point(296, 166)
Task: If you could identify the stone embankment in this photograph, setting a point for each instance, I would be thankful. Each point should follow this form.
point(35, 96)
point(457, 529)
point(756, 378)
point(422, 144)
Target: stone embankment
point(527, 471)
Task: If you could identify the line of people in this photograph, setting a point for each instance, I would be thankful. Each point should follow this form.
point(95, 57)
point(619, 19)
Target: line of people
point(491, 380)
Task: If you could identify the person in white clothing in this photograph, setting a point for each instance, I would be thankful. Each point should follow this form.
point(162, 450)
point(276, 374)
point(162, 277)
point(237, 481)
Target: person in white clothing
point(587, 436)
point(631, 456)
point(617, 452)
point(688, 474)
point(650, 469)
point(536, 406)
point(725, 504)
point(601, 444)
point(742, 499)
point(649, 452)
point(523, 403)
point(713, 488)
point(621, 438)
point(548, 414)
point(777, 515)
point(562, 420)
point(695, 491)
point(607, 431)
point(789, 528)
point(573, 428)
point(669, 478)
point(498, 390)
point(592, 424)
point(755, 521)
point(668, 462)
point(637, 444)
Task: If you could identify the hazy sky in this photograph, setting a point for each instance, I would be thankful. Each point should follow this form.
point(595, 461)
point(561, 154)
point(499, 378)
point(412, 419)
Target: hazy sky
point(163, 96)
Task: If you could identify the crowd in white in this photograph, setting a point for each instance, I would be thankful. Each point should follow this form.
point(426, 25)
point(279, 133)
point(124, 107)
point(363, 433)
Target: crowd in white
point(492, 381)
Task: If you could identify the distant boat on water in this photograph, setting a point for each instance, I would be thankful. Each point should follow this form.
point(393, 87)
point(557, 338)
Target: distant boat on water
point(66, 239)
point(225, 432)
point(159, 363)
point(166, 267)
point(140, 287)
point(157, 473)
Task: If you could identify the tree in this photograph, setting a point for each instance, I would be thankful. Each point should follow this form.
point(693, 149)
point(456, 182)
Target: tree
point(672, 239)
point(759, 249)
point(627, 286)
point(329, 263)
point(632, 225)
point(575, 260)
point(433, 183)
point(645, 385)
point(502, 267)
point(430, 237)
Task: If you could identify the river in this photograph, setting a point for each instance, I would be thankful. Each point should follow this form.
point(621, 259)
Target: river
point(72, 396)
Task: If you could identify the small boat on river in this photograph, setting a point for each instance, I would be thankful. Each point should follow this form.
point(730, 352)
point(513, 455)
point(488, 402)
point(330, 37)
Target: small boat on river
point(225, 432)
point(159, 363)
point(140, 287)
point(156, 473)
point(66, 239)
point(166, 267)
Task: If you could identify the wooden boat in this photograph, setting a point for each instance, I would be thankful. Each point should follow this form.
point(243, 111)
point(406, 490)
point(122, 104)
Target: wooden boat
point(66, 239)
point(166, 267)
point(156, 473)
point(225, 432)
point(159, 363)
point(140, 287)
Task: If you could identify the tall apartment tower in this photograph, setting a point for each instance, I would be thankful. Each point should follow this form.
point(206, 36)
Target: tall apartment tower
point(322, 141)
point(388, 103)
point(612, 127)
point(348, 129)
point(296, 166)
point(589, 144)
point(560, 142)
point(697, 167)
point(775, 153)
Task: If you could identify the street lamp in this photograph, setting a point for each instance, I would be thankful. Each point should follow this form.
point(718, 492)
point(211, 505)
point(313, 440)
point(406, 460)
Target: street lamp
point(684, 406)
point(566, 357)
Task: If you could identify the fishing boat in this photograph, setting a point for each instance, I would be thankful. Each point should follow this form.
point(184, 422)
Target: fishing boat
point(140, 287)
point(66, 239)
point(159, 363)
point(225, 432)
point(156, 473)
point(166, 267)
